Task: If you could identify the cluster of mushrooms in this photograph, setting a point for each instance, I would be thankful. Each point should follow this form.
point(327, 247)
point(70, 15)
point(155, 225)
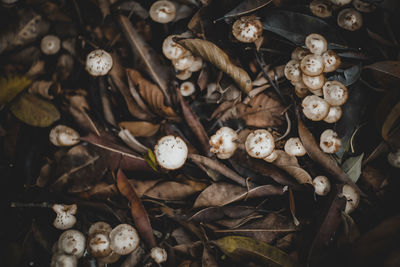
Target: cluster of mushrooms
point(349, 18)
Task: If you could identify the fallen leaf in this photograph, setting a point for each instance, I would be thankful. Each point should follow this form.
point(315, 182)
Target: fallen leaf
point(383, 74)
point(245, 7)
point(352, 167)
point(101, 190)
point(140, 128)
point(41, 88)
point(10, 87)
point(292, 206)
point(347, 76)
point(390, 122)
point(217, 213)
point(208, 259)
point(290, 164)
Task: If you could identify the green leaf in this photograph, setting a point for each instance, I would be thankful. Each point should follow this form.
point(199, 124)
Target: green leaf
point(34, 110)
point(151, 159)
point(352, 167)
point(10, 87)
point(240, 247)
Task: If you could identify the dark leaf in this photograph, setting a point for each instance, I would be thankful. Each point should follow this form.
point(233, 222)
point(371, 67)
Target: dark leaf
point(245, 7)
point(347, 76)
point(216, 213)
point(208, 259)
point(383, 74)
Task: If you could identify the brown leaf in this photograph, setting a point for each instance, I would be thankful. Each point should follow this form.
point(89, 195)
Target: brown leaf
point(212, 53)
point(139, 214)
point(41, 88)
point(216, 213)
point(140, 128)
point(101, 190)
point(208, 259)
point(171, 190)
point(290, 164)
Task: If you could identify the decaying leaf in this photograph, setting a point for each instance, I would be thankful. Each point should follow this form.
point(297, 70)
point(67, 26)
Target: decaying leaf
point(212, 53)
point(245, 7)
point(290, 164)
point(140, 128)
point(41, 88)
point(10, 87)
point(352, 167)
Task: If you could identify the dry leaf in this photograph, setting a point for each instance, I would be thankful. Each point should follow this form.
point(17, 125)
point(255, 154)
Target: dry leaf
point(140, 128)
point(41, 88)
point(10, 87)
point(212, 53)
point(290, 164)
point(171, 190)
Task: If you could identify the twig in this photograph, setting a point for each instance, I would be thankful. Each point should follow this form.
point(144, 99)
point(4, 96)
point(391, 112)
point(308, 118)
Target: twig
point(288, 129)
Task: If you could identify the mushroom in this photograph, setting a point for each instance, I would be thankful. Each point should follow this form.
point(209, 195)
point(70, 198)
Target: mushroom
point(350, 19)
point(394, 158)
point(50, 44)
point(98, 244)
point(352, 198)
point(272, 157)
point(162, 11)
point(314, 83)
point(301, 91)
point(124, 239)
point(184, 62)
point(171, 49)
point(99, 227)
point(247, 29)
point(98, 62)
point(223, 143)
point(294, 147)
point(183, 74)
point(260, 144)
point(315, 108)
point(299, 53)
point(63, 260)
point(312, 65)
point(322, 186)
point(62, 135)
point(335, 93)
point(159, 255)
point(197, 64)
point(316, 43)
point(317, 92)
point(331, 61)
point(171, 152)
point(292, 70)
point(334, 115)
point(72, 242)
point(340, 2)
point(363, 6)
point(329, 142)
point(187, 89)
point(65, 216)
point(321, 8)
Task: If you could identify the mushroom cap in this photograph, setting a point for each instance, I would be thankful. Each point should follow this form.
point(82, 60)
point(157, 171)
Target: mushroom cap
point(321, 8)
point(171, 152)
point(335, 93)
point(317, 92)
point(184, 62)
point(247, 29)
point(394, 159)
point(72, 242)
point(159, 255)
point(294, 147)
point(350, 19)
point(98, 244)
point(352, 197)
point(63, 260)
point(99, 226)
point(171, 49)
point(322, 186)
point(329, 142)
point(331, 61)
point(62, 135)
point(124, 239)
point(162, 11)
point(260, 144)
point(98, 62)
point(223, 142)
point(197, 64)
point(65, 216)
point(316, 43)
point(363, 6)
point(312, 65)
point(299, 53)
point(187, 88)
point(292, 70)
point(183, 74)
point(315, 108)
point(335, 113)
point(272, 157)
point(111, 258)
point(314, 83)
point(341, 2)
point(50, 44)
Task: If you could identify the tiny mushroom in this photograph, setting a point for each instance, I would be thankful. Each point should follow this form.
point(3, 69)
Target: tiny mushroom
point(50, 44)
point(299, 53)
point(171, 152)
point(331, 61)
point(394, 158)
point(329, 142)
point(124, 239)
point(352, 198)
point(335, 93)
point(260, 144)
point(292, 70)
point(184, 62)
point(98, 62)
point(61, 259)
point(62, 135)
point(162, 11)
point(322, 186)
point(72, 242)
point(314, 83)
point(321, 8)
point(272, 157)
point(99, 226)
point(341, 2)
point(187, 89)
point(171, 49)
point(247, 29)
point(312, 65)
point(65, 216)
point(223, 143)
point(316, 43)
point(98, 244)
point(315, 108)
point(335, 113)
point(294, 147)
point(159, 255)
point(197, 64)
point(350, 19)
point(363, 6)
point(183, 74)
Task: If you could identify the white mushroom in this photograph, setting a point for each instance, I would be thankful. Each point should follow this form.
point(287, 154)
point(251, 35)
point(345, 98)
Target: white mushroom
point(299, 53)
point(65, 216)
point(197, 64)
point(350, 19)
point(98, 244)
point(63, 260)
point(335, 93)
point(171, 152)
point(340, 2)
point(322, 186)
point(247, 29)
point(394, 158)
point(162, 11)
point(363, 6)
point(99, 227)
point(72, 242)
point(315, 108)
point(294, 147)
point(124, 239)
point(316, 43)
point(50, 44)
point(260, 144)
point(184, 62)
point(330, 142)
point(98, 62)
point(331, 61)
point(312, 65)
point(62, 135)
point(314, 83)
point(352, 198)
point(272, 157)
point(171, 49)
point(292, 70)
point(159, 255)
point(183, 74)
point(223, 142)
point(335, 113)
point(321, 8)
point(187, 89)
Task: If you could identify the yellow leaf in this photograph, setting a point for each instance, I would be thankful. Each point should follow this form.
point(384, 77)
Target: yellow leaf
point(10, 87)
